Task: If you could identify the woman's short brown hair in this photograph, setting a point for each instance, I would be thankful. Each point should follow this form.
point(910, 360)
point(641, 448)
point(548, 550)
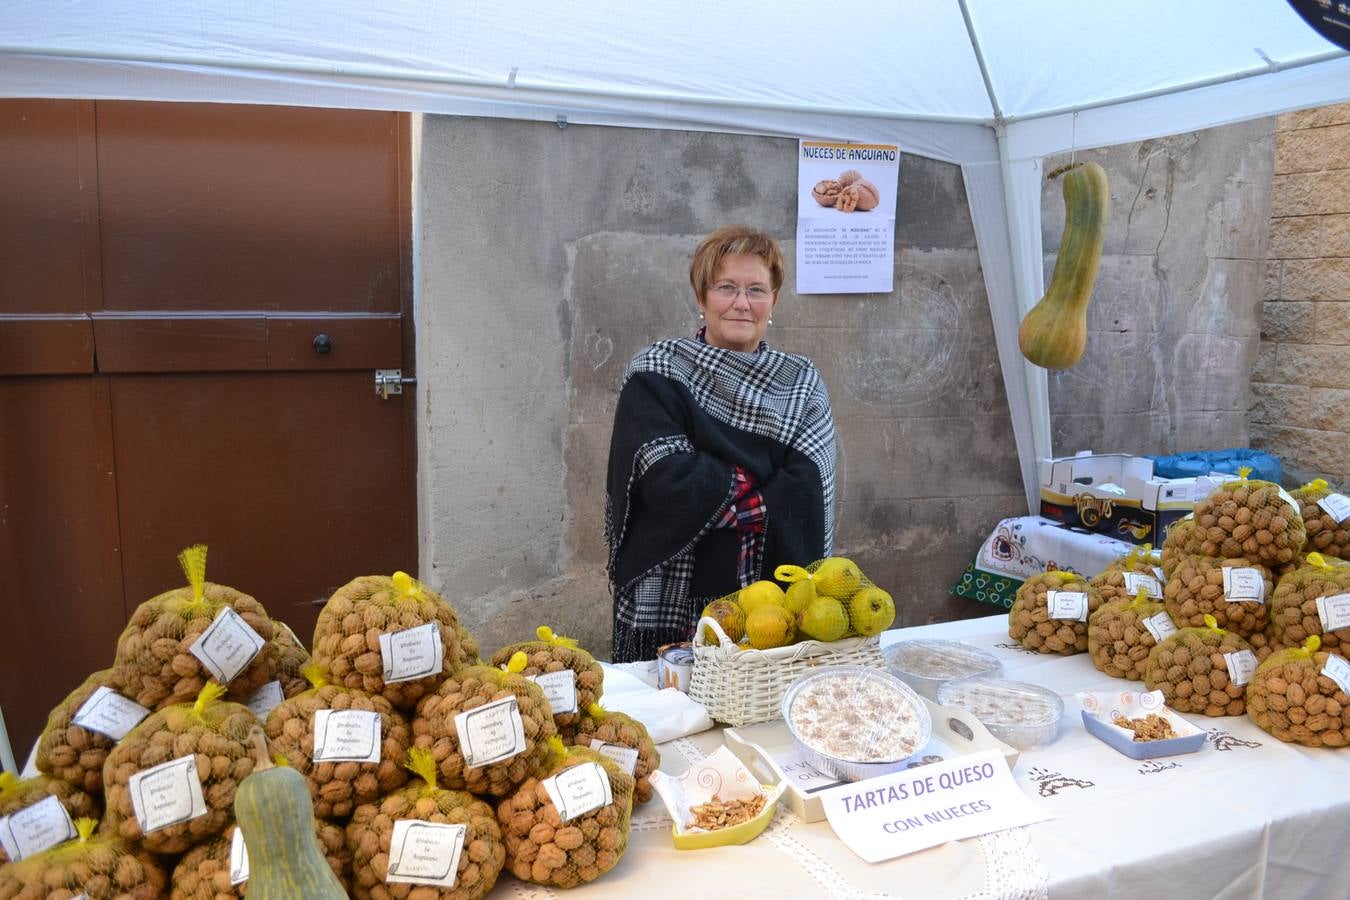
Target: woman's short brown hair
point(733, 240)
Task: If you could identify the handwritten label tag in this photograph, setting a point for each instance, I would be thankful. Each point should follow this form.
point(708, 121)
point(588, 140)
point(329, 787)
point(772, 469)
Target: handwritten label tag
point(1138, 581)
point(227, 645)
point(35, 828)
point(1160, 625)
point(412, 653)
point(1289, 498)
point(1241, 664)
point(802, 775)
point(1070, 605)
point(167, 794)
point(265, 699)
point(425, 853)
point(1243, 585)
point(577, 790)
point(346, 735)
point(560, 689)
point(1338, 670)
point(491, 733)
point(238, 858)
point(911, 810)
point(1334, 611)
point(1337, 506)
point(1160, 574)
point(109, 713)
point(626, 757)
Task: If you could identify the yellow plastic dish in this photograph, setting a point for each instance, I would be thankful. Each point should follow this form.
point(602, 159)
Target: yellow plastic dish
point(736, 834)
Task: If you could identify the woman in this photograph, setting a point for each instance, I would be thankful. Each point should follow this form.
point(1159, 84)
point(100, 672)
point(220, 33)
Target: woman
point(721, 466)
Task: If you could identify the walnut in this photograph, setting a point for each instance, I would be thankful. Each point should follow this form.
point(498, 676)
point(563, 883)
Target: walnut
point(849, 177)
point(826, 192)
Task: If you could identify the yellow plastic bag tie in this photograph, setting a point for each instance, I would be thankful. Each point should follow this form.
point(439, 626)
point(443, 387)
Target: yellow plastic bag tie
point(1066, 576)
point(545, 634)
point(1319, 561)
point(1317, 485)
point(1213, 624)
point(1244, 472)
point(84, 829)
point(517, 663)
point(210, 693)
point(280, 760)
point(1139, 554)
point(791, 574)
point(406, 587)
point(596, 712)
point(557, 750)
point(1310, 646)
point(193, 561)
point(1140, 599)
point(422, 763)
point(314, 674)
point(9, 782)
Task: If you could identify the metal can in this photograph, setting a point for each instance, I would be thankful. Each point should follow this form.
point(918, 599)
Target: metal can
point(674, 664)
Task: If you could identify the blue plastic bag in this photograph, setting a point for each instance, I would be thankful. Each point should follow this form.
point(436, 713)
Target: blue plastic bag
point(1264, 466)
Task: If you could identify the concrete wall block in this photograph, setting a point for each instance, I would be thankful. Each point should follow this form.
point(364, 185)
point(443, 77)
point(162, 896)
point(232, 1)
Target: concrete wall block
point(1335, 141)
point(1227, 301)
point(1135, 433)
point(586, 457)
point(1284, 321)
point(1296, 237)
point(1270, 289)
point(1294, 195)
point(958, 456)
point(1316, 279)
point(1305, 448)
point(1274, 404)
point(1300, 151)
point(1335, 114)
point(1118, 374)
point(1329, 410)
point(1335, 235)
point(1264, 367)
point(1211, 372)
point(1332, 324)
point(1207, 430)
point(1314, 365)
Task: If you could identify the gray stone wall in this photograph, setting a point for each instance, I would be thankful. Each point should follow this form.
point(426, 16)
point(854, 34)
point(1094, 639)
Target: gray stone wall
point(1301, 383)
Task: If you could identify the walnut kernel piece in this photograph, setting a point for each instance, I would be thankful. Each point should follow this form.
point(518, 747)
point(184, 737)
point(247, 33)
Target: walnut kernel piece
point(1152, 727)
point(826, 192)
point(717, 813)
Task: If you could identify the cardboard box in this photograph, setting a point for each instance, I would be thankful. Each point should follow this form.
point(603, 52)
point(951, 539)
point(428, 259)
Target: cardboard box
point(1117, 494)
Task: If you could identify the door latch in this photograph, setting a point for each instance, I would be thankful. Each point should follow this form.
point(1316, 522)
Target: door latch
point(391, 381)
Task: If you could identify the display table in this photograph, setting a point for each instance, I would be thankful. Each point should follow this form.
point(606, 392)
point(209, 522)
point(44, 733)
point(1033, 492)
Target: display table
point(1247, 816)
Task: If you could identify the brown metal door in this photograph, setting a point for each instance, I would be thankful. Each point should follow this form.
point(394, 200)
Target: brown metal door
point(195, 300)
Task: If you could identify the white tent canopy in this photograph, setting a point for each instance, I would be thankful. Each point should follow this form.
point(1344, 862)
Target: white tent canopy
point(990, 84)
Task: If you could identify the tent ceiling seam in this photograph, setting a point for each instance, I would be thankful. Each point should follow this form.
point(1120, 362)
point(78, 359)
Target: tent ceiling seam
point(979, 59)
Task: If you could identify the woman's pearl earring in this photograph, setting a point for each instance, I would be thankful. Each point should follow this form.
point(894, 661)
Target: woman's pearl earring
point(700, 313)
point(771, 321)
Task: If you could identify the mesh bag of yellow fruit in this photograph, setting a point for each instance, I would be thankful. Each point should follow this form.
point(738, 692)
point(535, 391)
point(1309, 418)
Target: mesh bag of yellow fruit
point(170, 783)
point(177, 641)
point(348, 744)
point(83, 728)
point(624, 740)
point(25, 794)
point(454, 828)
point(1121, 634)
point(1326, 516)
point(1300, 695)
point(1256, 520)
point(1202, 670)
point(818, 592)
point(1313, 600)
point(570, 677)
point(93, 866)
point(1180, 542)
point(569, 825)
point(218, 869)
point(1236, 592)
point(487, 729)
point(1050, 613)
point(390, 635)
point(1131, 573)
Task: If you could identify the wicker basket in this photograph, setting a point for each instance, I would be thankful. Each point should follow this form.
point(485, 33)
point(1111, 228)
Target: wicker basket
point(742, 687)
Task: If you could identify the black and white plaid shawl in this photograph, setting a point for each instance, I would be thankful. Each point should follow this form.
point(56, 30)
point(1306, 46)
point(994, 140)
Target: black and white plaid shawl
point(687, 413)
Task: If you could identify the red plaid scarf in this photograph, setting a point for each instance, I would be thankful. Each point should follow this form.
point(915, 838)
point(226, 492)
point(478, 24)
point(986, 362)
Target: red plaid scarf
point(745, 514)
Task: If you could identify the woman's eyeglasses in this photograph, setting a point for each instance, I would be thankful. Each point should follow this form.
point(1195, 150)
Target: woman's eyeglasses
point(726, 291)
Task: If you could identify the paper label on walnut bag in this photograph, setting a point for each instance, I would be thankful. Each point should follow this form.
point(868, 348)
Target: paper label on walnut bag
point(1160, 625)
point(626, 757)
point(227, 645)
point(109, 713)
point(1337, 506)
point(1067, 605)
point(346, 735)
point(425, 853)
point(265, 699)
point(1241, 664)
point(1243, 585)
point(491, 732)
point(35, 828)
point(1138, 581)
point(412, 653)
point(167, 794)
point(1338, 670)
point(560, 689)
point(577, 790)
point(1334, 611)
point(238, 858)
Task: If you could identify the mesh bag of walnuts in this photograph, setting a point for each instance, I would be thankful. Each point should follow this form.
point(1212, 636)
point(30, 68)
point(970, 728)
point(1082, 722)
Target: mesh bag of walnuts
point(291, 660)
point(371, 831)
point(339, 781)
point(546, 659)
point(215, 734)
point(1201, 670)
point(1180, 542)
point(624, 740)
point(1313, 600)
point(1050, 613)
point(93, 866)
point(1252, 519)
point(74, 752)
point(1124, 578)
point(1263, 644)
point(575, 845)
point(1326, 516)
point(486, 729)
point(203, 873)
point(1121, 634)
point(1234, 591)
point(1293, 697)
point(155, 664)
point(20, 793)
point(378, 625)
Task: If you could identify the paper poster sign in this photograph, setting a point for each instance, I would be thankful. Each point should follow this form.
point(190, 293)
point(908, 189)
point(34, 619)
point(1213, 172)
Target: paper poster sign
point(227, 645)
point(1068, 605)
point(626, 757)
point(577, 790)
point(167, 794)
point(35, 828)
point(412, 653)
point(491, 733)
point(425, 853)
point(265, 699)
point(238, 858)
point(1160, 625)
point(1138, 581)
point(894, 815)
point(109, 713)
point(1243, 585)
point(346, 735)
point(1337, 506)
point(1241, 664)
point(1338, 670)
point(560, 689)
point(1334, 611)
point(846, 217)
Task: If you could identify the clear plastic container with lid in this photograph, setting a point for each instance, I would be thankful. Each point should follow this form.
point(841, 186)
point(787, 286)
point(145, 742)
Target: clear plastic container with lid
point(1024, 715)
point(926, 665)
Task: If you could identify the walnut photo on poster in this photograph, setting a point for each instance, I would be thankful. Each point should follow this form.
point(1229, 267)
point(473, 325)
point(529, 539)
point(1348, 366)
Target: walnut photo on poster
point(850, 192)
